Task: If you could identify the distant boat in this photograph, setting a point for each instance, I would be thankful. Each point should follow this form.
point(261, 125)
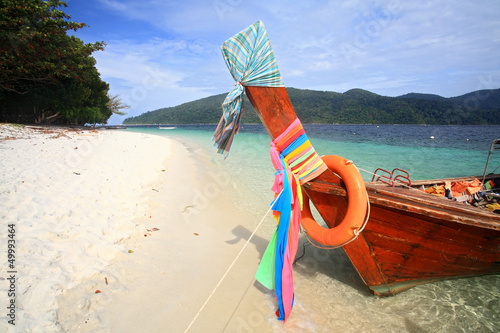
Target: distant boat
point(115, 127)
point(167, 127)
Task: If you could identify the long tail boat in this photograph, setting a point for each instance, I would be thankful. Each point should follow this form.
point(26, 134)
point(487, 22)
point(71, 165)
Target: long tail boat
point(409, 237)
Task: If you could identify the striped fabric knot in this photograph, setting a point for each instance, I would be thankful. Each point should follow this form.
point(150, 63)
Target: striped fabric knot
point(298, 153)
point(250, 59)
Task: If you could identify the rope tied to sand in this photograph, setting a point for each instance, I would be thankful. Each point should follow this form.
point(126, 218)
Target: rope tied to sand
point(296, 162)
point(251, 62)
point(228, 269)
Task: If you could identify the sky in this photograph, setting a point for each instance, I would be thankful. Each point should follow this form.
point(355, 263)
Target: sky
point(163, 53)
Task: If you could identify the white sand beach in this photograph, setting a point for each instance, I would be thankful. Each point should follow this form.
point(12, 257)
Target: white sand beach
point(126, 232)
point(74, 197)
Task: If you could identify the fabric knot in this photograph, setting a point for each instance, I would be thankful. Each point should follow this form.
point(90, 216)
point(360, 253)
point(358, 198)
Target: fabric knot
point(250, 59)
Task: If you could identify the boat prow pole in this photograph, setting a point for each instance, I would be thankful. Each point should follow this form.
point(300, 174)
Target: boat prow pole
point(275, 110)
point(273, 107)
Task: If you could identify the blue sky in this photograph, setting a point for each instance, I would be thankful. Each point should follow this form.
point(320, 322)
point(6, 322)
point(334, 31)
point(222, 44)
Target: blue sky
point(165, 53)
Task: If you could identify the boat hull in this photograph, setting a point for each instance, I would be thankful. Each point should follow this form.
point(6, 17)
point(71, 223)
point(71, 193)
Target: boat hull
point(409, 248)
point(413, 238)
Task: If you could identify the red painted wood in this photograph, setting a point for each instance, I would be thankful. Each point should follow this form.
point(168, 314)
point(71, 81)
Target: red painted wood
point(415, 247)
point(273, 107)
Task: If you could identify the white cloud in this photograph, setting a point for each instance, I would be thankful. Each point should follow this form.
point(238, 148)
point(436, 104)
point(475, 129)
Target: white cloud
point(389, 47)
point(154, 74)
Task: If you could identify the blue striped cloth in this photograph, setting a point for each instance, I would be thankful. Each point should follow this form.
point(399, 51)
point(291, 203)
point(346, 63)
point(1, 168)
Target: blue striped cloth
point(250, 59)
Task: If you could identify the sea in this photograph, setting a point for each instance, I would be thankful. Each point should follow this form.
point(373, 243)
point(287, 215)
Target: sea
point(342, 302)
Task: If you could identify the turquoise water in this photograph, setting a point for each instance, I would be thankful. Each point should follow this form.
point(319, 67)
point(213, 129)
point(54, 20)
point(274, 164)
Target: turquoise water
point(330, 296)
point(452, 151)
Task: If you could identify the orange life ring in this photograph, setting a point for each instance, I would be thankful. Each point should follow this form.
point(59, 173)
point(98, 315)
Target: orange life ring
point(357, 202)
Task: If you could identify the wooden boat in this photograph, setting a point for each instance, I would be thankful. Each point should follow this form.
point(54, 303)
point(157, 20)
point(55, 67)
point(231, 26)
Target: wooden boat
point(115, 127)
point(410, 237)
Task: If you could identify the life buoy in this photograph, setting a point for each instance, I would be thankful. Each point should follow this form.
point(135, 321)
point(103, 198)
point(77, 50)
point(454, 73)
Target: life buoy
point(357, 202)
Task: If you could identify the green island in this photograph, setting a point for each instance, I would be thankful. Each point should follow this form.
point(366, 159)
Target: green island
point(355, 106)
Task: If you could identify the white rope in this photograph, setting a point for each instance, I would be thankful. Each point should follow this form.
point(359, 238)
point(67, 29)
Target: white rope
point(232, 264)
point(356, 233)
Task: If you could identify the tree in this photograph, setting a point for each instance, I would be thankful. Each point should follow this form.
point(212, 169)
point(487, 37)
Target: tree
point(46, 74)
point(115, 104)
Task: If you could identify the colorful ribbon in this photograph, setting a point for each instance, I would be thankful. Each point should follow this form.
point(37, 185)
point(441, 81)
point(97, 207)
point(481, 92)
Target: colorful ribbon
point(298, 153)
point(296, 162)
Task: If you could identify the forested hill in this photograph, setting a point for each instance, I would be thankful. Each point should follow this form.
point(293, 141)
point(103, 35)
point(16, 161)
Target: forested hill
point(355, 106)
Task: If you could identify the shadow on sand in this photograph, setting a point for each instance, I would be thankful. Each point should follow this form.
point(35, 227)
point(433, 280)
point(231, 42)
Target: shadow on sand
point(311, 260)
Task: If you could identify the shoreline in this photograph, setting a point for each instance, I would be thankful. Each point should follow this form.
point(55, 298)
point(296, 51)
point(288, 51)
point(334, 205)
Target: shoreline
point(162, 285)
